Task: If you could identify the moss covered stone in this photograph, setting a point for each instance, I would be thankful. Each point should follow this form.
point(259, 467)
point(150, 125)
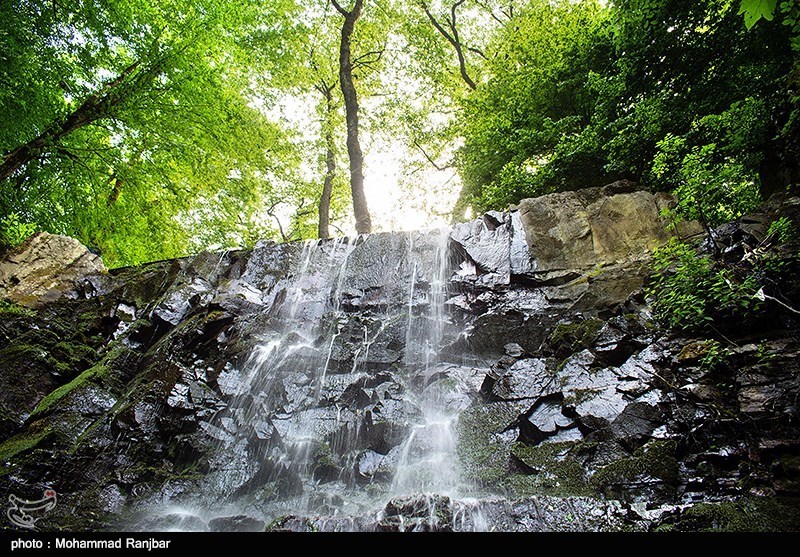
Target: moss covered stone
point(47, 403)
point(21, 443)
point(655, 460)
point(568, 338)
point(482, 446)
point(552, 469)
point(11, 308)
point(750, 514)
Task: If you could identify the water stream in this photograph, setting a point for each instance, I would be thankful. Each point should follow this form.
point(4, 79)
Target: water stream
point(316, 424)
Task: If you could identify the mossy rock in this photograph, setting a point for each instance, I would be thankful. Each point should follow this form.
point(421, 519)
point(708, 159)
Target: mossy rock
point(750, 514)
point(76, 355)
point(23, 442)
point(654, 461)
point(90, 375)
point(13, 309)
point(568, 338)
point(695, 351)
point(549, 469)
point(483, 452)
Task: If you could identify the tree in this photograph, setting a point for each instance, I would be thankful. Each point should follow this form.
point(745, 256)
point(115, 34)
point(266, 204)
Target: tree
point(535, 124)
point(675, 94)
point(448, 28)
point(323, 230)
point(360, 208)
point(130, 124)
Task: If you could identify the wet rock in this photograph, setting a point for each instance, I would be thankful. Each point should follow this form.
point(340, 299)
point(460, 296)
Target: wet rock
point(636, 423)
point(514, 350)
point(174, 522)
point(112, 500)
point(370, 464)
point(237, 523)
point(522, 262)
point(553, 514)
point(527, 378)
point(549, 418)
point(487, 243)
point(758, 398)
point(177, 303)
point(418, 513)
point(181, 412)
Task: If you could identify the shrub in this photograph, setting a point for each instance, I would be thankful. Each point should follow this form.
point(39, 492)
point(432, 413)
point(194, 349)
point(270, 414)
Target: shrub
point(690, 292)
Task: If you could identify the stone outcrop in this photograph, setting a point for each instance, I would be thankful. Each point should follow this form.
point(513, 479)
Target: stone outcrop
point(131, 392)
point(47, 267)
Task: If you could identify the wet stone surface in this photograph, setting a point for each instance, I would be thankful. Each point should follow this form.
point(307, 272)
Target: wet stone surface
point(397, 382)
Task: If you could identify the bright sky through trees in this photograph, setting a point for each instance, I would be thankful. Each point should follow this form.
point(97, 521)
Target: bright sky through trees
point(151, 129)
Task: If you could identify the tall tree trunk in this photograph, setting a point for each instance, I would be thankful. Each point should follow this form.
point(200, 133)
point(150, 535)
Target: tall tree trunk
point(330, 171)
point(453, 38)
point(95, 107)
point(363, 220)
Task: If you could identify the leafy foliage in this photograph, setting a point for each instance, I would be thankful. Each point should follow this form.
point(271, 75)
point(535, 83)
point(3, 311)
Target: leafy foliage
point(754, 10)
point(157, 129)
point(676, 94)
point(14, 231)
point(692, 293)
point(138, 121)
point(530, 128)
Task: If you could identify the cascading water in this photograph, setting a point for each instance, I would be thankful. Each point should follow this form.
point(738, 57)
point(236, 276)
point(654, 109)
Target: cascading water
point(345, 403)
point(429, 460)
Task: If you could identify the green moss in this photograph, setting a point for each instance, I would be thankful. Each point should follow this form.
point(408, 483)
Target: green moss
point(577, 396)
point(568, 338)
point(751, 514)
point(9, 357)
point(10, 308)
point(279, 524)
point(21, 443)
point(656, 459)
point(47, 402)
point(74, 353)
point(485, 457)
point(556, 470)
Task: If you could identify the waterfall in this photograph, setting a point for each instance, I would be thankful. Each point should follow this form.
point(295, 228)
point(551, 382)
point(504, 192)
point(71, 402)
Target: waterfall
point(290, 353)
point(429, 460)
point(345, 402)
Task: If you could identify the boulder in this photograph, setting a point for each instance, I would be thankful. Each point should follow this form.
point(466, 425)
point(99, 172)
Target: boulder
point(593, 227)
point(47, 267)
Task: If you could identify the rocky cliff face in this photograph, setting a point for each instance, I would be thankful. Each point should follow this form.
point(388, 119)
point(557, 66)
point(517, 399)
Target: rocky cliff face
point(503, 375)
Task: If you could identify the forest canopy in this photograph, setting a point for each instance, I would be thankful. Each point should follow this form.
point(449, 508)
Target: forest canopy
point(157, 129)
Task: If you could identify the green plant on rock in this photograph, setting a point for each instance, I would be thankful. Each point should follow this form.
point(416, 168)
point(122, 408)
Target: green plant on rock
point(568, 338)
point(10, 308)
point(764, 354)
point(714, 356)
point(781, 230)
point(14, 230)
point(690, 291)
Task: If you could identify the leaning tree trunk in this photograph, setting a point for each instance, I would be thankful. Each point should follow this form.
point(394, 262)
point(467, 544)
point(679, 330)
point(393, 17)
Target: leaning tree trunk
point(363, 220)
point(94, 108)
point(330, 170)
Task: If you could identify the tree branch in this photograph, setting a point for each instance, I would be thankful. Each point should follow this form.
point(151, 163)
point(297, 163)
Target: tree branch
point(452, 38)
point(270, 212)
point(508, 12)
point(359, 61)
point(430, 160)
point(339, 8)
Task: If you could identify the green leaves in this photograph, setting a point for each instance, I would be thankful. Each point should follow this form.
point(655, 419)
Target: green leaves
point(148, 145)
point(532, 127)
point(754, 10)
point(690, 292)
